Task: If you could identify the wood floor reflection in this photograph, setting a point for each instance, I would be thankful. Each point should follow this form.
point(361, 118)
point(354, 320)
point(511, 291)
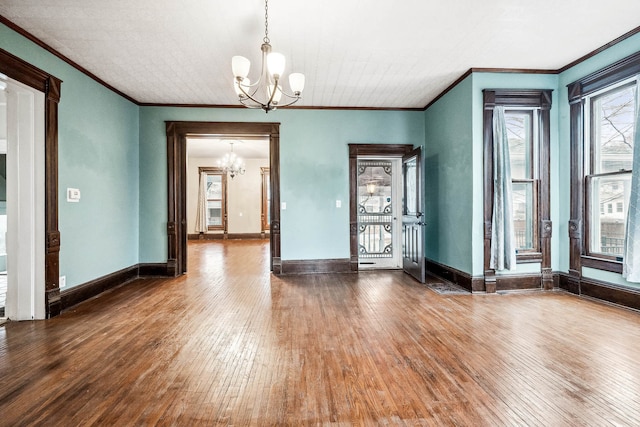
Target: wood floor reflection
point(230, 344)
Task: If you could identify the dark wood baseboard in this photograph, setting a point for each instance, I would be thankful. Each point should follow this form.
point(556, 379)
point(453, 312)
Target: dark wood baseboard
point(460, 278)
point(309, 266)
point(518, 282)
point(604, 291)
point(77, 294)
point(229, 236)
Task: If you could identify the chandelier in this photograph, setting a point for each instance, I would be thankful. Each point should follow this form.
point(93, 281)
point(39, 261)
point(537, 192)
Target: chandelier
point(267, 92)
point(231, 163)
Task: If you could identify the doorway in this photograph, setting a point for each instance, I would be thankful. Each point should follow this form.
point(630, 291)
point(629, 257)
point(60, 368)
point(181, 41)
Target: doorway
point(227, 200)
point(177, 232)
point(22, 196)
point(379, 217)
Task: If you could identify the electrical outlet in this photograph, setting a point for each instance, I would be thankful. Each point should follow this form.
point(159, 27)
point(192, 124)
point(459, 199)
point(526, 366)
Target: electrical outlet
point(63, 281)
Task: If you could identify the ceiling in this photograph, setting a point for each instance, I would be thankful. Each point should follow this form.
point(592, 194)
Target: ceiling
point(246, 148)
point(354, 53)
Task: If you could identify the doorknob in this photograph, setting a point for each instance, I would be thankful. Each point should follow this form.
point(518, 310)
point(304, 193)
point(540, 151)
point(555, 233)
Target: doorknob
point(418, 214)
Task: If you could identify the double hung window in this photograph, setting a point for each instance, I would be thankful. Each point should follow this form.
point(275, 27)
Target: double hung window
point(609, 124)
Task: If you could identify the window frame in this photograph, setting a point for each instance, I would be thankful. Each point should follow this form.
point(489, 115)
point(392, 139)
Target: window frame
point(520, 100)
point(579, 92)
point(220, 172)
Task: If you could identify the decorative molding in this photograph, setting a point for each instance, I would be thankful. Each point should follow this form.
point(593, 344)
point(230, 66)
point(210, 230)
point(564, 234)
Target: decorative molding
point(603, 291)
point(77, 294)
point(453, 275)
point(312, 266)
point(546, 228)
point(518, 282)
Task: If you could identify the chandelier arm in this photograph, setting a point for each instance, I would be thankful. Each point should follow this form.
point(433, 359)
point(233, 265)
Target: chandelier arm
point(261, 105)
point(290, 103)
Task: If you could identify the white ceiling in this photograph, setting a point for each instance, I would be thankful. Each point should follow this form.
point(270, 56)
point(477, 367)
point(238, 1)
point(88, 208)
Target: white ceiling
point(354, 53)
point(246, 148)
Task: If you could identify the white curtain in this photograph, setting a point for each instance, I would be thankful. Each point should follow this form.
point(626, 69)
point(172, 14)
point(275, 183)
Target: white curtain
point(201, 213)
point(631, 260)
point(503, 252)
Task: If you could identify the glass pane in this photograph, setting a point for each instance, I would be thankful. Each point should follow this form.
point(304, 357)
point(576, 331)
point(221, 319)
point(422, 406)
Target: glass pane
point(214, 186)
point(612, 129)
point(214, 212)
point(410, 196)
point(375, 240)
point(374, 187)
point(609, 203)
point(520, 143)
point(523, 215)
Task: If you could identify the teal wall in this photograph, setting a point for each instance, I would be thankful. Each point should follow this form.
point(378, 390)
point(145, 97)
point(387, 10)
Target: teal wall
point(98, 154)
point(449, 181)
point(314, 171)
point(483, 81)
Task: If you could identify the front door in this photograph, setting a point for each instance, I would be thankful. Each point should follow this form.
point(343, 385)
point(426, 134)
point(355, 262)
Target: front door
point(378, 207)
point(412, 216)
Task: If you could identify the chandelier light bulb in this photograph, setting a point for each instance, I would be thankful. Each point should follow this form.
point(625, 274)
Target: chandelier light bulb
point(275, 64)
point(240, 66)
point(296, 82)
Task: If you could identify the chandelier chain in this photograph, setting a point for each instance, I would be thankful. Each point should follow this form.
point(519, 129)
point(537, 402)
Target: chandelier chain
point(266, 22)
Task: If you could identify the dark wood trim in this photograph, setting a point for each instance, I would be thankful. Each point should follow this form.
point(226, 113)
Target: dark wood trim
point(297, 107)
point(450, 274)
point(355, 150)
point(607, 292)
point(77, 294)
point(313, 266)
point(177, 132)
point(601, 264)
point(19, 70)
point(600, 49)
point(264, 205)
point(515, 98)
point(152, 269)
point(218, 171)
point(519, 282)
point(34, 39)
point(227, 236)
point(604, 77)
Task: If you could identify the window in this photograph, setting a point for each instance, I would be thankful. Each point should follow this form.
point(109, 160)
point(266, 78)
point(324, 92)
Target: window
point(602, 107)
point(216, 198)
point(266, 199)
point(609, 124)
point(522, 138)
point(527, 116)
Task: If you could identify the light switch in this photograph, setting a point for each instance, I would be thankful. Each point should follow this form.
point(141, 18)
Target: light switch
point(73, 195)
point(283, 206)
point(338, 203)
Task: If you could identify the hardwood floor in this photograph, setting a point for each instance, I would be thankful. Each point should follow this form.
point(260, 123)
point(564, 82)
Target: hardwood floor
point(229, 344)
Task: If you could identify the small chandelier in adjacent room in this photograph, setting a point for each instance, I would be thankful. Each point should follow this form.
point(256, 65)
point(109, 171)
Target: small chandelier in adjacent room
point(267, 92)
point(231, 163)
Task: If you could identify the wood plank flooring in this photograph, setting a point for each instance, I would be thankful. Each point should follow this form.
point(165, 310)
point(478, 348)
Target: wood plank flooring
point(230, 344)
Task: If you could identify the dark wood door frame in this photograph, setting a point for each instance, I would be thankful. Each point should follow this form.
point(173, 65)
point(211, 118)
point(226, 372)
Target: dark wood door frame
point(177, 133)
point(19, 70)
point(355, 150)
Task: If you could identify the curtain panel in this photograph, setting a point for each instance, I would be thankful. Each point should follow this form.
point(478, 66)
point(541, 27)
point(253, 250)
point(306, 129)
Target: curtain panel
point(631, 259)
point(201, 212)
point(503, 251)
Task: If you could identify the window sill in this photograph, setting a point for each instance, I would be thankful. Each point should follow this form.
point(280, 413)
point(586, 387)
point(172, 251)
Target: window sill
point(528, 257)
point(601, 264)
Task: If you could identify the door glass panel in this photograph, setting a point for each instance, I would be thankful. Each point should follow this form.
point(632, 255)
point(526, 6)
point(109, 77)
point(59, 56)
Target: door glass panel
point(410, 199)
point(375, 209)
